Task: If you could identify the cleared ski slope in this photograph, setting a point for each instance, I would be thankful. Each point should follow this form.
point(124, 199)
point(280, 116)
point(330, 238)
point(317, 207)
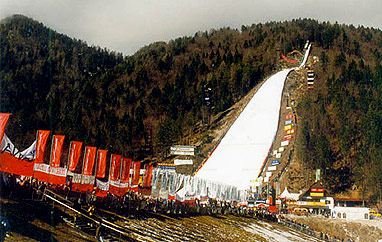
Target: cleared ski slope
point(241, 153)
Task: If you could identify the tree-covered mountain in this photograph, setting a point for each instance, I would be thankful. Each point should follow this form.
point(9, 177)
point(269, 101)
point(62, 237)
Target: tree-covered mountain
point(139, 105)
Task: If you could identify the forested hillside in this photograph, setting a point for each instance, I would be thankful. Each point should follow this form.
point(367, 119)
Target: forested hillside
point(340, 129)
point(141, 104)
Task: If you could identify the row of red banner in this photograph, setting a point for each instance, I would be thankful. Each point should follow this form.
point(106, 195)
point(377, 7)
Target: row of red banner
point(119, 173)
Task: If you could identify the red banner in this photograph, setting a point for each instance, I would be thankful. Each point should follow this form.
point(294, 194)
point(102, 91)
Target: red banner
point(288, 60)
point(13, 165)
point(125, 173)
point(101, 163)
point(136, 171)
point(75, 153)
point(42, 137)
point(90, 155)
point(55, 156)
point(115, 167)
point(148, 175)
point(3, 122)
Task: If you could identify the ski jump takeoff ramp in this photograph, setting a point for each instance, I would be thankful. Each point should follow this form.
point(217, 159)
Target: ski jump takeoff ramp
point(241, 153)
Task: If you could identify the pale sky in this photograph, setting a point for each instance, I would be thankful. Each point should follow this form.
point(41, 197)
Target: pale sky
point(125, 26)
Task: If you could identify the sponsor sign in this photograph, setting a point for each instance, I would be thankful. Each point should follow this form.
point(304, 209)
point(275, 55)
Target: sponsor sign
point(289, 121)
point(281, 149)
point(285, 143)
point(266, 179)
point(289, 116)
point(305, 203)
point(271, 168)
point(274, 152)
point(288, 127)
point(291, 131)
point(182, 150)
point(278, 155)
point(179, 162)
point(275, 162)
point(316, 194)
point(166, 166)
point(287, 137)
point(268, 174)
point(317, 189)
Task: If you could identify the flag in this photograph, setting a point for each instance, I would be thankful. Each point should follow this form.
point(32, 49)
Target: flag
point(42, 137)
point(148, 175)
point(90, 155)
point(3, 122)
point(136, 173)
point(125, 173)
point(75, 153)
point(13, 165)
point(115, 167)
point(57, 174)
point(55, 156)
point(41, 170)
point(101, 163)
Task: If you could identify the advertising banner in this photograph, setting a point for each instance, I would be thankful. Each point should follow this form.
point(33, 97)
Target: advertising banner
point(55, 156)
point(3, 122)
point(75, 154)
point(148, 175)
point(115, 167)
point(42, 138)
point(136, 173)
point(179, 162)
point(182, 150)
point(285, 143)
point(125, 174)
point(90, 155)
point(101, 163)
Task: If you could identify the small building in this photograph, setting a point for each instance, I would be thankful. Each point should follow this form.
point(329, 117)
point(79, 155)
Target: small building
point(350, 213)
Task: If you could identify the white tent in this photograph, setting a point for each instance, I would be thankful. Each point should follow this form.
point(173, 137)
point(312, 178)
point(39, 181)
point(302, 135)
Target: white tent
point(290, 196)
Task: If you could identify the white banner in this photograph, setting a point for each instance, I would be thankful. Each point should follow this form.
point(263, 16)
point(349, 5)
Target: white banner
point(182, 150)
point(285, 143)
point(87, 179)
point(178, 162)
point(8, 146)
point(102, 185)
point(58, 171)
point(271, 168)
point(41, 167)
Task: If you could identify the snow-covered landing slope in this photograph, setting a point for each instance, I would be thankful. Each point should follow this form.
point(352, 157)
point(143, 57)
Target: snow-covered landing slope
point(240, 155)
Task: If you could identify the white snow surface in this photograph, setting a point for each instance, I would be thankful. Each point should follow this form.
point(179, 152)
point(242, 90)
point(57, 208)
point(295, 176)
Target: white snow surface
point(241, 153)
